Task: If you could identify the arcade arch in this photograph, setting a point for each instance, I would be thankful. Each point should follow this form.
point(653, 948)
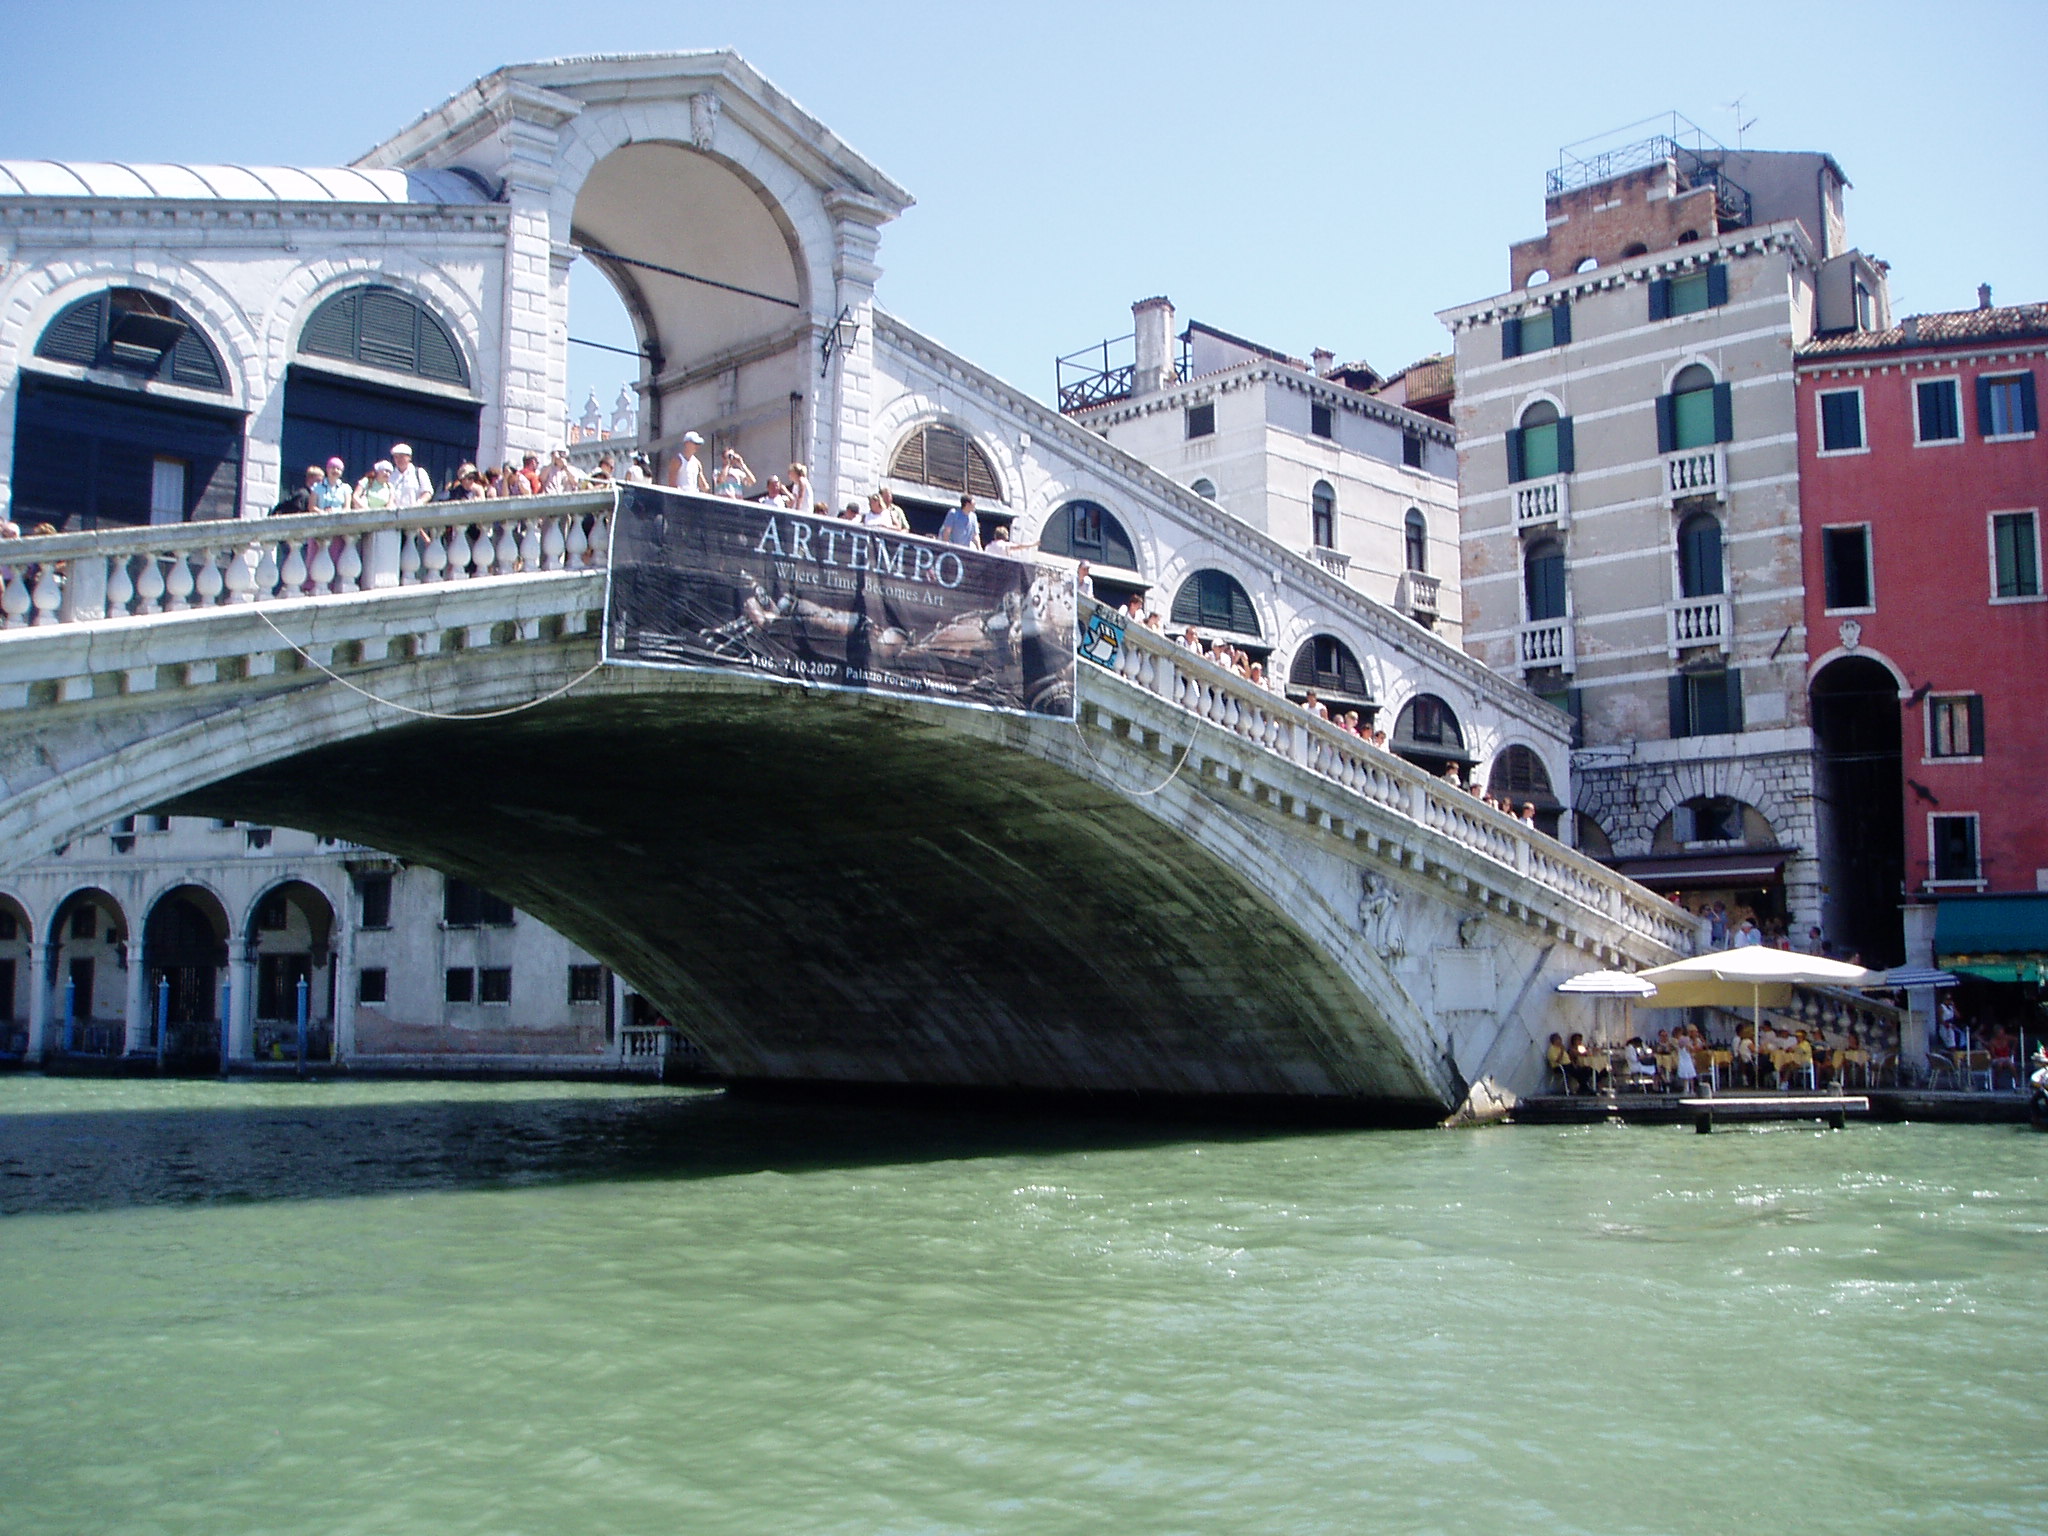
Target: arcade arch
point(17, 952)
point(184, 953)
point(288, 939)
point(1519, 777)
point(88, 956)
point(1427, 734)
point(1331, 668)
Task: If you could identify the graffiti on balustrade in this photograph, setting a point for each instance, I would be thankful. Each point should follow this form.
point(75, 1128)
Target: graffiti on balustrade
point(1102, 636)
point(703, 583)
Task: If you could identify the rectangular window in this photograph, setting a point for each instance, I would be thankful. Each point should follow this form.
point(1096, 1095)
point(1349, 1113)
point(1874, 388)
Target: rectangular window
point(374, 892)
point(586, 985)
point(1427, 721)
point(371, 984)
point(494, 984)
point(258, 838)
point(1538, 331)
point(1087, 526)
point(2005, 405)
point(2015, 555)
point(85, 921)
point(1841, 421)
point(1954, 839)
point(1688, 295)
point(122, 835)
point(1845, 566)
point(1411, 449)
point(470, 906)
point(273, 913)
point(1320, 421)
point(167, 491)
point(1202, 420)
point(1938, 411)
point(1955, 725)
point(1706, 703)
point(460, 984)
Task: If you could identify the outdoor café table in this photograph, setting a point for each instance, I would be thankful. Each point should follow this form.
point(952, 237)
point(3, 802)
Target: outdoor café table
point(1845, 1059)
point(1717, 1062)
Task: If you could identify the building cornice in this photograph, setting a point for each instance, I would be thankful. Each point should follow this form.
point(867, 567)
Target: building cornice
point(1382, 622)
point(97, 217)
point(1922, 355)
point(1242, 375)
point(1786, 236)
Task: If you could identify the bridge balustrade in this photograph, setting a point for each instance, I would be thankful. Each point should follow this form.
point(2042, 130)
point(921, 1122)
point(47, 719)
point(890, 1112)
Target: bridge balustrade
point(1168, 670)
point(118, 573)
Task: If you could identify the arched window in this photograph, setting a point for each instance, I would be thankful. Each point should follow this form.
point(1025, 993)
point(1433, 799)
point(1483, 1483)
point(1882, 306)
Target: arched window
point(1699, 556)
point(1206, 489)
point(1415, 531)
point(382, 328)
point(1327, 665)
point(1633, 251)
point(948, 459)
point(1692, 407)
point(1519, 777)
point(1539, 440)
point(1426, 733)
point(137, 333)
point(1081, 530)
point(1215, 600)
point(1543, 580)
point(1322, 502)
point(1587, 264)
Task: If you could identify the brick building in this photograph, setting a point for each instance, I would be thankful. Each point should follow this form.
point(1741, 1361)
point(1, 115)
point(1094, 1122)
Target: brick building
point(1923, 479)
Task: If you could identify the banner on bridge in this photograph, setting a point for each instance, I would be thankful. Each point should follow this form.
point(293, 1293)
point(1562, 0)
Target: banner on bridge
point(738, 586)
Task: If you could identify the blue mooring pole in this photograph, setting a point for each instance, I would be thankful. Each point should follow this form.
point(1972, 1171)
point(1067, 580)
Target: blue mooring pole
point(163, 1019)
point(70, 1014)
point(305, 986)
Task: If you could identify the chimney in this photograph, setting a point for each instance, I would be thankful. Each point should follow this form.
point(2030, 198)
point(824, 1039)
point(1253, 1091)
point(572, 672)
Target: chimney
point(1983, 295)
point(1152, 321)
point(1912, 330)
point(1324, 360)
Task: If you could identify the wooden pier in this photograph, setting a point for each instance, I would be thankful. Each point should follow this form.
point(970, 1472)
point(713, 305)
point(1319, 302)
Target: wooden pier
point(1705, 1111)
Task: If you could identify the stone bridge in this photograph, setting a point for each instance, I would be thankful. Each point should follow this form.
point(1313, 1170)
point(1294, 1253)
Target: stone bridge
point(1193, 889)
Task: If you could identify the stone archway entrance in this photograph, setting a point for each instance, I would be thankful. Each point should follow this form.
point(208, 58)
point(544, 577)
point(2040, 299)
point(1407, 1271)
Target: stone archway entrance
point(184, 948)
point(1861, 784)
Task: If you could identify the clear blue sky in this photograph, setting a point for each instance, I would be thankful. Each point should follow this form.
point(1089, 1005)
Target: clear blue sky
point(1305, 174)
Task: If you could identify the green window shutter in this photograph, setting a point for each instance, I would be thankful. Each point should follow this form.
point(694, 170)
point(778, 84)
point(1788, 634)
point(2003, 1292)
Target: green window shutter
point(1667, 425)
point(1560, 324)
point(1515, 454)
point(1567, 454)
point(1717, 285)
point(1976, 725)
point(76, 335)
point(1511, 337)
point(1680, 724)
point(2029, 421)
point(1724, 412)
point(1734, 678)
point(1660, 299)
point(1983, 406)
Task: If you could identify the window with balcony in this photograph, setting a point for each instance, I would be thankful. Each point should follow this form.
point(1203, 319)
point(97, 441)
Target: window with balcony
point(1320, 421)
point(1540, 444)
point(1201, 420)
point(1543, 580)
point(1690, 293)
point(1841, 421)
point(1937, 411)
point(1955, 725)
point(1706, 703)
point(1953, 840)
point(1322, 503)
point(1845, 568)
point(2005, 405)
point(1696, 414)
point(1537, 331)
point(1699, 556)
point(2015, 556)
point(1415, 533)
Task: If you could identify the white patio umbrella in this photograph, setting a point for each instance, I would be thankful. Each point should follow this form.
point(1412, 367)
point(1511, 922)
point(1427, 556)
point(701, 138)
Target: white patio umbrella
point(1752, 974)
point(1610, 984)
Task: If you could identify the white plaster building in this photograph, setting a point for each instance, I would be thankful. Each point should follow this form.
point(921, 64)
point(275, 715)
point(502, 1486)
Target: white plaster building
point(1304, 452)
point(1629, 486)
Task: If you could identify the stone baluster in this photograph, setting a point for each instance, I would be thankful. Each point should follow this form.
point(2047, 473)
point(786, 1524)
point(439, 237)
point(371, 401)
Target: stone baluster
point(293, 572)
point(348, 570)
point(457, 564)
point(240, 575)
point(48, 594)
point(267, 573)
point(529, 546)
point(576, 546)
point(553, 547)
point(433, 556)
point(508, 550)
point(16, 601)
point(410, 558)
point(178, 582)
point(320, 568)
point(208, 583)
point(149, 586)
point(120, 587)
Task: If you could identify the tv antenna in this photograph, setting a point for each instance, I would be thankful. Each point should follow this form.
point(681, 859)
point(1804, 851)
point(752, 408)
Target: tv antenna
point(1741, 127)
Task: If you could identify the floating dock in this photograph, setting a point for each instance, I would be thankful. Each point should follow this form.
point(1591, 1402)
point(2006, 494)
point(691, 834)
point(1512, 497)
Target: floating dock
point(1705, 1112)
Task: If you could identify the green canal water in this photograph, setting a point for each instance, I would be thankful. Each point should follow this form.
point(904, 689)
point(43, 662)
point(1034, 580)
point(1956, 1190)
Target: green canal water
point(398, 1308)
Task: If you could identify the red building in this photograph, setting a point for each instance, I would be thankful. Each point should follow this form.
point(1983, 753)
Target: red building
point(1923, 488)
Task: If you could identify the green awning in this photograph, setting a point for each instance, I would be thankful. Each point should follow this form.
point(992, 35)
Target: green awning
point(2000, 938)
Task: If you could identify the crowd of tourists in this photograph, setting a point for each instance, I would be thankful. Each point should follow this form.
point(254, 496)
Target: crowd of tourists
point(1679, 1060)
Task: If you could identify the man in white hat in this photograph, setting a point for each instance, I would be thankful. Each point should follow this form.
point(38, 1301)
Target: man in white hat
point(687, 473)
point(411, 486)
